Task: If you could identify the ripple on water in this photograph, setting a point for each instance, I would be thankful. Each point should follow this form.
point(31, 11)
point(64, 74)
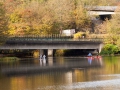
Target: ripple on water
point(94, 85)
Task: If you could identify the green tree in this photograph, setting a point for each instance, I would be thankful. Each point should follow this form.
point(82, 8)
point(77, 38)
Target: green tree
point(110, 49)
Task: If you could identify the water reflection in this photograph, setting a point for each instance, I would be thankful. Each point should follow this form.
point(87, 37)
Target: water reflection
point(50, 64)
point(90, 60)
point(48, 61)
point(42, 62)
point(68, 77)
point(73, 73)
point(97, 59)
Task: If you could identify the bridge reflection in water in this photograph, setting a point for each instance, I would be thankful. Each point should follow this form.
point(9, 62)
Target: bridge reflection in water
point(52, 65)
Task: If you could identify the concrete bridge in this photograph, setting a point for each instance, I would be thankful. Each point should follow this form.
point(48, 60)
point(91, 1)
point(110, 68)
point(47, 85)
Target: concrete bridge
point(99, 14)
point(42, 43)
point(102, 11)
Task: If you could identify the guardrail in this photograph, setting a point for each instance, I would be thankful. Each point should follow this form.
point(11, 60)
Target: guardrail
point(52, 39)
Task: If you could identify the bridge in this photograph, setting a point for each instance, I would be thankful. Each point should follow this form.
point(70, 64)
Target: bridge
point(50, 43)
point(102, 11)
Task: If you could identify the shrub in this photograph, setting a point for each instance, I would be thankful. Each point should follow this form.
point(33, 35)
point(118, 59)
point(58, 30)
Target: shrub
point(80, 34)
point(109, 49)
point(59, 52)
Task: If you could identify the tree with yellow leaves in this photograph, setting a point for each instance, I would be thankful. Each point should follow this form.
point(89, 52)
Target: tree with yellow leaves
point(3, 25)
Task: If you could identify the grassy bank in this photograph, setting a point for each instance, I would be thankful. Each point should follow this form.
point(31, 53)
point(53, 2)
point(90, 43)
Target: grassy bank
point(8, 59)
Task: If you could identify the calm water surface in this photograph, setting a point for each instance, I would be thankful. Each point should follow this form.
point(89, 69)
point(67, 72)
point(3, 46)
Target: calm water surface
point(62, 73)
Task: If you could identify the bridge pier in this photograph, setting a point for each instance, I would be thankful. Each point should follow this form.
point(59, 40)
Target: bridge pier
point(50, 52)
point(41, 51)
point(100, 48)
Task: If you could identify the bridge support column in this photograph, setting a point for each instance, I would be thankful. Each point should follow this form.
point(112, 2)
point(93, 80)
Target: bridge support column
point(41, 51)
point(50, 52)
point(100, 48)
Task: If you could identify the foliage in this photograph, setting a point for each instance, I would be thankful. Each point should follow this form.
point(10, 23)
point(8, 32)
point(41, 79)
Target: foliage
point(36, 53)
point(81, 19)
point(59, 52)
point(43, 17)
point(3, 24)
point(112, 28)
point(81, 35)
point(109, 49)
point(78, 35)
point(47, 16)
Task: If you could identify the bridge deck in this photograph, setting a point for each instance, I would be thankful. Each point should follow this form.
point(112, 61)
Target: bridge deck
point(51, 43)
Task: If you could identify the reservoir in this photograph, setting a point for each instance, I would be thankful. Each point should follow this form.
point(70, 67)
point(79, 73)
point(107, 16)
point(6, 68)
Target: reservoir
point(61, 73)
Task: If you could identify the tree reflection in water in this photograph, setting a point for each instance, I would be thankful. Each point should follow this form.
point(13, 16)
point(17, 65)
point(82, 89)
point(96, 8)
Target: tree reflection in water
point(64, 73)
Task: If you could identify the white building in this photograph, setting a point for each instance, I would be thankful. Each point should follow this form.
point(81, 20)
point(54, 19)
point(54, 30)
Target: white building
point(68, 32)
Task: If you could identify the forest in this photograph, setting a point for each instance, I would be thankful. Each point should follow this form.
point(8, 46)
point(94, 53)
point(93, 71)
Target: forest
point(44, 17)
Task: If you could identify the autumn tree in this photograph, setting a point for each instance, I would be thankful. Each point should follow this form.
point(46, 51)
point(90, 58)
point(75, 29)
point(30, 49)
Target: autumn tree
point(3, 24)
point(112, 28)
point(31, 18)
point(62, 10)
point(69, 14)
point(43, 17)
point(81, 17)
point(46, 16)
point(115, 27)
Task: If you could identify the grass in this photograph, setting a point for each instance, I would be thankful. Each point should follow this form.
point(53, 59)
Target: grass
point(8, 59)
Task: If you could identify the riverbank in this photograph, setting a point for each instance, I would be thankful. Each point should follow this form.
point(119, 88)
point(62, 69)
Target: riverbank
point(8, 59)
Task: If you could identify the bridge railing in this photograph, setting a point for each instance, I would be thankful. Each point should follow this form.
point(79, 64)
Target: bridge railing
point(56, 37)
point(53, 36)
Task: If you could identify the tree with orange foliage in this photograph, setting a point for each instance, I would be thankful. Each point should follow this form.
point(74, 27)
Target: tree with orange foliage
point(3, 24)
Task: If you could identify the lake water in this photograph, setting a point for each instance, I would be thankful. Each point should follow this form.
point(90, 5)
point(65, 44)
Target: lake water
point(61, 73)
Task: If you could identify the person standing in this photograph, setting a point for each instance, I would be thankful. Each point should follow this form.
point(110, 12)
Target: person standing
point(89, 54)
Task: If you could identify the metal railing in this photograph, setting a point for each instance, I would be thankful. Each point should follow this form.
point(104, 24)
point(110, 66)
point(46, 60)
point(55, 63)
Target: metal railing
point(52, 39)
